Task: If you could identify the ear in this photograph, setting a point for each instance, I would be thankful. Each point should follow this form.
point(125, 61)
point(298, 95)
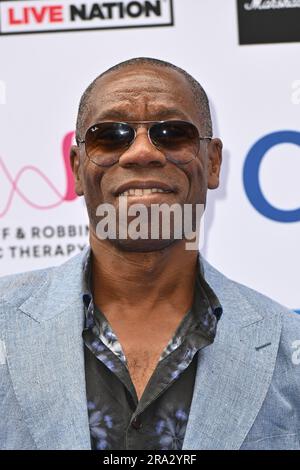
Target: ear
point(75, 165)
point(214, 163)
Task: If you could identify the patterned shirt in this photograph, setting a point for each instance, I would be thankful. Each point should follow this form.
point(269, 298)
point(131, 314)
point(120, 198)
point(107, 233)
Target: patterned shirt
point(117, 419)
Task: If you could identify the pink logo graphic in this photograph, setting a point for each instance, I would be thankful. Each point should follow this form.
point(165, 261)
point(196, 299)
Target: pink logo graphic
point(69, 194)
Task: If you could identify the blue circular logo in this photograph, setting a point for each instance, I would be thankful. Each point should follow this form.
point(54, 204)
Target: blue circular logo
point(251, 176)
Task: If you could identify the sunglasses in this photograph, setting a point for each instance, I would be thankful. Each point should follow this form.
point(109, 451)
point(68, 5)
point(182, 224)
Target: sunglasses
point(105, 142)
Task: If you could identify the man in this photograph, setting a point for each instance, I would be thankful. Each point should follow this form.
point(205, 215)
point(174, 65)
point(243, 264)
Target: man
point(138, 343)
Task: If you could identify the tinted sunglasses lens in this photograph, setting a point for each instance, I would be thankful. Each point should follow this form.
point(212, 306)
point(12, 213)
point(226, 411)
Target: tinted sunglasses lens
point(179, 140)
point(106, 141)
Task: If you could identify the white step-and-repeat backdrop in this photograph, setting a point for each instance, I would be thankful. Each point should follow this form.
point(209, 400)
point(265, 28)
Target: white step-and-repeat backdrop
point(247, 56)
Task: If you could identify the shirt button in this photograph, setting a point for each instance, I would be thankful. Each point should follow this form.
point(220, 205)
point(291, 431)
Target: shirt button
point(136, 423)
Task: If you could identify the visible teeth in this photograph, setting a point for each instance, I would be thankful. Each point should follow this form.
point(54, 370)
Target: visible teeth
point(141, 192)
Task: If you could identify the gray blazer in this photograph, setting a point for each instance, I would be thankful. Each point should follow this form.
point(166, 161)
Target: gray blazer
point(247, 389)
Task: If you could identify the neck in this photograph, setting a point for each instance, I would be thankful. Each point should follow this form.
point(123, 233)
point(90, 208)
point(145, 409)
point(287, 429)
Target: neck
point(135, 279)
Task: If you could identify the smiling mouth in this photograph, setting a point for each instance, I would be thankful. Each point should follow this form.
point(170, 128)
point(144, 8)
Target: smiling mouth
point(143, 192)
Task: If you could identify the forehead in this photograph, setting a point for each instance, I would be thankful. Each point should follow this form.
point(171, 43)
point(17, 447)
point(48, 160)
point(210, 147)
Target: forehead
point(142, 93)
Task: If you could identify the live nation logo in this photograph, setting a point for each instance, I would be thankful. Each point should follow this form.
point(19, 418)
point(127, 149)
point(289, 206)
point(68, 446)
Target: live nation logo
point(268, 21)
point(40, 16)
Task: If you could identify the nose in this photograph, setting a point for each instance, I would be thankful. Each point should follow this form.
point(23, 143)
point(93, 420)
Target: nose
point(142, 152)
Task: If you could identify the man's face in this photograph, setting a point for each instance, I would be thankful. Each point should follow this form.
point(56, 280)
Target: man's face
point(144, 93)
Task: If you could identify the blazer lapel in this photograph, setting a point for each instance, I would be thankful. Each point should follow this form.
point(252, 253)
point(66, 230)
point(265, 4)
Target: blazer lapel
point(46, 360)
point(233, 373)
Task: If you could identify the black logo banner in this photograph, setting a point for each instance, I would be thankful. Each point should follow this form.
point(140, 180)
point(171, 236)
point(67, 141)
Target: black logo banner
point(268, 21)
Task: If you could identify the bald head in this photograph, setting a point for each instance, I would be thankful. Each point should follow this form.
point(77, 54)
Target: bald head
point(199, 94)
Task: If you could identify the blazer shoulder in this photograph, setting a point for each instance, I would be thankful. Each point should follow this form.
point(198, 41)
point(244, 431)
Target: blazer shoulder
point(45, 292)
point(234, 292)
point(16, 288)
